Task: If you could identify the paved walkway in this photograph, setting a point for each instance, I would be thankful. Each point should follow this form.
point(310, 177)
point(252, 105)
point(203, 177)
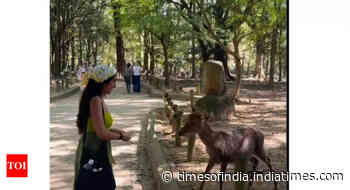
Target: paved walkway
point(132, 169)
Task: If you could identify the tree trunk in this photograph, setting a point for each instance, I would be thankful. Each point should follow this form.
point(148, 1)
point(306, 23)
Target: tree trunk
point(237, 58)
point(273, 56)
point(166, 64)
point(248, 67)
point(280, 67)
point(243, 63)
point(259, 71)
point(51, 63)
point(73, 53)
point(118, 38)
point(95, 49)
point(88, 51)
point(151, 52)
point(280, 58)
point(56, 61)
point(80, 48)
point(120, 51)
point(62, 46)
point(64, 53)
point(266, 61)
point(59, 57)
point(171, 69)
point(146, 51)
point(193, 59)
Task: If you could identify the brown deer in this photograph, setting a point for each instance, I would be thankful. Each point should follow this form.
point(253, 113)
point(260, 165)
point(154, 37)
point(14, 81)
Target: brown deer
point(244, 144)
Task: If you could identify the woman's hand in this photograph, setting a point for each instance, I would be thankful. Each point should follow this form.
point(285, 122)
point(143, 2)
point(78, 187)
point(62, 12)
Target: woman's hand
point(125, 136)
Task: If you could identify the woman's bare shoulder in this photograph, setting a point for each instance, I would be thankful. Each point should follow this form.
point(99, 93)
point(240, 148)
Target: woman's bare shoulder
point(95, 100)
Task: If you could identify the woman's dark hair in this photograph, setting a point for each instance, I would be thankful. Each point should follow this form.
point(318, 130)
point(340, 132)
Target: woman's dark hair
point(91, 90)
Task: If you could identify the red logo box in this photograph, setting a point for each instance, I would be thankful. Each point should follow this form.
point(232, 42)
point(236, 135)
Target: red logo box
point(17, 165)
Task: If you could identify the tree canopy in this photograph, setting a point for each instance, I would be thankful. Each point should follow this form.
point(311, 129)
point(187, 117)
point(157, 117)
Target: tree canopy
point(170, 35)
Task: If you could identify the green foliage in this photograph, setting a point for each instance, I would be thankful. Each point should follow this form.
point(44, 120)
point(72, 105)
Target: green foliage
point(75, 23)
point(175, 22)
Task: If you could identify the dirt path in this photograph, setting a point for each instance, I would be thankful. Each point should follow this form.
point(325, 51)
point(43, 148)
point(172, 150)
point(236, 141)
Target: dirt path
point(131, 169)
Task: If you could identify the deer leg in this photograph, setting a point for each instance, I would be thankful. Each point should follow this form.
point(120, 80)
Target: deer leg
point(223, 170)
point(260, 152)
point(241, 166)
point(267, 161)
point(255, 164)
point(209, 167)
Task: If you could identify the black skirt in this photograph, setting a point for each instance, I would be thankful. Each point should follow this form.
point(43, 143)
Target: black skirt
point(100, 176)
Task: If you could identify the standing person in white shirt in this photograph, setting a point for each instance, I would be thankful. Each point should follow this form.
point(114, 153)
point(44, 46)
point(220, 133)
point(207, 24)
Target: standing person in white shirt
point(136, 77)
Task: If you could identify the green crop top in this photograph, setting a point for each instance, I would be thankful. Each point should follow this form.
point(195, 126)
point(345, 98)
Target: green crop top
point(108, 122)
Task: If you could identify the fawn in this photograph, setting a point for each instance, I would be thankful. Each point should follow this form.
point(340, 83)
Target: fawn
point(248, 144)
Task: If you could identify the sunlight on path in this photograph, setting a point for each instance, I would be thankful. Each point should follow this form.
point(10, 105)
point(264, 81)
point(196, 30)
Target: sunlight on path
point(127, 111)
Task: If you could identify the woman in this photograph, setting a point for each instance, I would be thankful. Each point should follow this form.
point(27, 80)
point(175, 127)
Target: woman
point(93, 165)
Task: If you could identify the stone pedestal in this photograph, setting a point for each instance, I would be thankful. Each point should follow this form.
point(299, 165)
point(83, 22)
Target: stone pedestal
point(212, 78)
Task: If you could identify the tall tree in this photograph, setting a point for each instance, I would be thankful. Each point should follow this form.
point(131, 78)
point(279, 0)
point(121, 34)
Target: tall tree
point(221, 22)
point(70, 21)
point(116, 5)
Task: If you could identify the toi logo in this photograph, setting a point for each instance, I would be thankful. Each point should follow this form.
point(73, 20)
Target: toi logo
point(17, 165)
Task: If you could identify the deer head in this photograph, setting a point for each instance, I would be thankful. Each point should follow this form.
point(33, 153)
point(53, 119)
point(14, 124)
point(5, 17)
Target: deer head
point(193, 124)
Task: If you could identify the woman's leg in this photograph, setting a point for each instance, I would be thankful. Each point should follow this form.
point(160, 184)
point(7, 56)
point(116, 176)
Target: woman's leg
point(134, 83)
point(138, 83)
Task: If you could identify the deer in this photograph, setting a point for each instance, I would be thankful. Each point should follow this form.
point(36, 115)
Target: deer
point(243, 144)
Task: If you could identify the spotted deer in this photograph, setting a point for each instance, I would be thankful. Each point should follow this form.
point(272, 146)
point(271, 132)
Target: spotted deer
point(243, 144)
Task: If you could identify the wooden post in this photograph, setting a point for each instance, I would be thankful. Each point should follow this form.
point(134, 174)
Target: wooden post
point(174, 85)
point(172, 117)
point(177, 117)
point(66, 83)
point(169, 100)
point(192, 100)
point(167, 110)
point(170, 105)
point(192, 139)
point(165, 105)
